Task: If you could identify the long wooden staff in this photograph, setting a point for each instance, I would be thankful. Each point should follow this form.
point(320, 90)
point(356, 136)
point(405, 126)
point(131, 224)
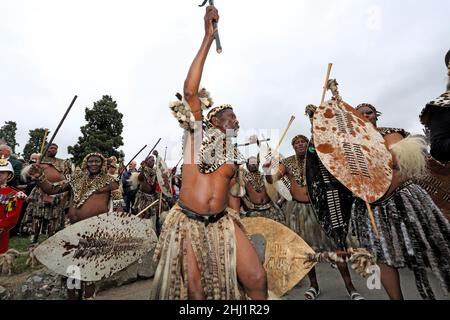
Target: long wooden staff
point(153, 148)
point(216, 30)
point(43, 142)
point(125, 168)
point(179, 161)
point(56, 131)
point(284, 133)
point(146, 208)
point(325, 86)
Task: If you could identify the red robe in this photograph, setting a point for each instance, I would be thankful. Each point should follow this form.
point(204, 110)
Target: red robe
point(10, 207)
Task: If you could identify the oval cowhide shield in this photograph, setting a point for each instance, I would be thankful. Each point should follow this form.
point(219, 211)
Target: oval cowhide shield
point(330, 199)
point(96, 248)
point(284, 255)
point(352, 150)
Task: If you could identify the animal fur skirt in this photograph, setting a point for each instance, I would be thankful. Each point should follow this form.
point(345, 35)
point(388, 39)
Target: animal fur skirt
point(413, 233)
point(214, 246)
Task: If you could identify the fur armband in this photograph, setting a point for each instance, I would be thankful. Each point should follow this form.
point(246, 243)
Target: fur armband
point(410, 156)
point(134, 180)
point(183, 113)
point(237, 190)
point(24, 173)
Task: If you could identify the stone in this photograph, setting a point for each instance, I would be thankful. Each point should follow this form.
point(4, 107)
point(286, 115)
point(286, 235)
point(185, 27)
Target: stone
point(146, 265)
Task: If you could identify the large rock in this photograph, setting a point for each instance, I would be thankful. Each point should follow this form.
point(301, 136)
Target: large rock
point(40, 285)
point(142, 268)
point(147, 266)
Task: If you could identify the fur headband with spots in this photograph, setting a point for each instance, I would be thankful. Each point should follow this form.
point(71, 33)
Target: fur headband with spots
point(298, 137)
point(85, 160)
point(215, 111)
point(368, 105)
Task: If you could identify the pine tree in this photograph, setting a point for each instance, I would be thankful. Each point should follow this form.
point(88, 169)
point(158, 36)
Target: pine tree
point(8, 134)
point(102, 133)
point(34, 143)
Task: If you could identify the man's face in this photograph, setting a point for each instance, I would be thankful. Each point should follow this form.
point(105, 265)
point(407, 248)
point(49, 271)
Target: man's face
point(253, 164)
point(94, 164)
point(300, 146)
point(52, 151)
point(227, 123)
point(4, 152)
point(133, 165)
point(150, 162)
point(34, 158)
point(111, 169)
point(369, 114)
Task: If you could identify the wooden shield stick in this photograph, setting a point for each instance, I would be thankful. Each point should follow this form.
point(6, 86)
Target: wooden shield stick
point(43, 141)
point(325, 86)
point(146, 208)
point(153, 148)
point(284, 133)
point(120, 174)
point(57, 129)
point(216, 30)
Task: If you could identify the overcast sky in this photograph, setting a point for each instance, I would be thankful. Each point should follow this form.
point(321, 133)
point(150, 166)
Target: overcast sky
point(275, 53)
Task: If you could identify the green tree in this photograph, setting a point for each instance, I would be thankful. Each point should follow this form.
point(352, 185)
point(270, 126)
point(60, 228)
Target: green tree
point(34, 143)
point(102, 133)
point(8, 134)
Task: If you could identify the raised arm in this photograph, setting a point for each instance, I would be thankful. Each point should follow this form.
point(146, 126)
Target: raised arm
point(192, 82)
point(271, 178)
point(37, 173)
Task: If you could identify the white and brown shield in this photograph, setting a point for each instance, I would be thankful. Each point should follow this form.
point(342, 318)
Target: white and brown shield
point(282, 186)
point(284, 256)
point(352, 150)
point(97, 247)
point(164, 177)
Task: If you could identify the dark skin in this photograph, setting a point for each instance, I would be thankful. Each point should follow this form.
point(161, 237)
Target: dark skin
point(53, 175)
point(145, 186)
point(50, 171)
point(96, 204)
point(255, 197)
point(214, 196)
point(390, 277)
point(300, 194)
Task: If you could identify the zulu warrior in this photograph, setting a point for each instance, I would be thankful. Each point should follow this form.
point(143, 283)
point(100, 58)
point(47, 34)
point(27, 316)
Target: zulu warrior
point(91, 189)
point(203, 251)
point(146, 193)
point(256, 201)
point(45, 210)
point(410, 229)
point(436, 119)
point(301, 218)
